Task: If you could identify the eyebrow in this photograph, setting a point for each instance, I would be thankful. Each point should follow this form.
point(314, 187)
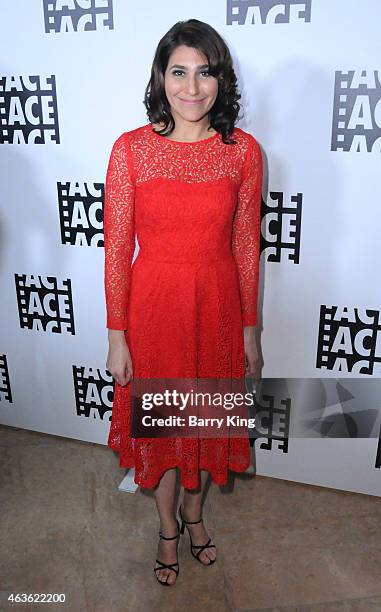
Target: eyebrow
point(184, 67)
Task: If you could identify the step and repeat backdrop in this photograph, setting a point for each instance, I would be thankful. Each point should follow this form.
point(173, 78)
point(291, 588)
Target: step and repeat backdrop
point(72, 79)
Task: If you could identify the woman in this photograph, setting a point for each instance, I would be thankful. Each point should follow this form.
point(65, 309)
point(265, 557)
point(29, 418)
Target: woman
point(188, 184)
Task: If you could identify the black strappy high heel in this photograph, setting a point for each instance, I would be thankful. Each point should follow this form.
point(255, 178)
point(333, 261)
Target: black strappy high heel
point(192, 546)
point(171, 566)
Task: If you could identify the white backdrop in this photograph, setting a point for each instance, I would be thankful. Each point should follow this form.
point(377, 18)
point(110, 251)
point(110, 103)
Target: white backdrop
point(72, 78)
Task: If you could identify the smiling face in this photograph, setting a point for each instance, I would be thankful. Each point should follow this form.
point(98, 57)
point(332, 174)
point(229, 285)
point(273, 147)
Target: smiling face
point(190, 90)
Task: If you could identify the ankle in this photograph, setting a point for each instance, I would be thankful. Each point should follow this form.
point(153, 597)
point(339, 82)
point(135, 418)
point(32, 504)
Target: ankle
point(191, 513)
point(168, 527)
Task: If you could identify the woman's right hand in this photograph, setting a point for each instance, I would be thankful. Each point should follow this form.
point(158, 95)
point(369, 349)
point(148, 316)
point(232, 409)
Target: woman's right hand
point(119, 362)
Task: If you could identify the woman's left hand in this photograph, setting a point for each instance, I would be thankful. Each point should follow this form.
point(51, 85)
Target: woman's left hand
point(251, 351)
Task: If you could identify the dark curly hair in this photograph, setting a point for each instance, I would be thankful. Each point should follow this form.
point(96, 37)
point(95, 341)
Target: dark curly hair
point(199, 35)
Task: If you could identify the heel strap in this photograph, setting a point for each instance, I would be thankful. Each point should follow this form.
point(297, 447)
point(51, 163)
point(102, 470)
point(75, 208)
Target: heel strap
point(191, 522)
point(165, 538)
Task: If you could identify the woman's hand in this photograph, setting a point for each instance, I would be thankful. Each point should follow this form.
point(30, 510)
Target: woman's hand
point(251, 352)
point(119, 362)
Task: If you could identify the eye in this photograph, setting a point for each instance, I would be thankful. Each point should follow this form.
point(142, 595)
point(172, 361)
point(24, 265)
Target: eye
point(176, 72)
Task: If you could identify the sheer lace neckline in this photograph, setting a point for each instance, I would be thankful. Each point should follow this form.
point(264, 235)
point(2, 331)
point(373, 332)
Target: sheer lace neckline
point(182, 142)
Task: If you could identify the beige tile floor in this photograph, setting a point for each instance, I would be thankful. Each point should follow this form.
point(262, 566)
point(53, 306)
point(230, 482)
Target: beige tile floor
point(65, 528)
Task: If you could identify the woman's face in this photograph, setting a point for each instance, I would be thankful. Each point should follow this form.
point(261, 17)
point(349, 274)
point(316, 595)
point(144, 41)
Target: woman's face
point(191, 92)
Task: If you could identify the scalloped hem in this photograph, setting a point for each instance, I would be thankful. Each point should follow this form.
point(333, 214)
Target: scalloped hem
point(190, 484)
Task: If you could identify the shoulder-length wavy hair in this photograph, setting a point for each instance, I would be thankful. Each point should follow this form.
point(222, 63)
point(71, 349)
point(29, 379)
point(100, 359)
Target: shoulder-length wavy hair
point(199, 35)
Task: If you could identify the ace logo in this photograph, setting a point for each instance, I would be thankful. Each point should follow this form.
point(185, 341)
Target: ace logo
point(272, 418)
point(281, 227)
point(44, 303)
point(349, 340)
point(78, 15)
point(5, 385)
point(356, 124)
point(94, 392)
point(28, 110)
point(259, 12)
point(81, 213)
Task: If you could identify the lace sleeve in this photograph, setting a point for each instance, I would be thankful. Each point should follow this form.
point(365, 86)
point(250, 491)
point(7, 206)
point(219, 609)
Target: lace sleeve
point(246, 232)
point(119, 233)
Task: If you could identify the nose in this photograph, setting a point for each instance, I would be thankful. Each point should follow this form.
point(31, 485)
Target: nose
point(192, 85)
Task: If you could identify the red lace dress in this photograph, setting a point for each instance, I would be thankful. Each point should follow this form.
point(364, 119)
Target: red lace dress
point(195, 209)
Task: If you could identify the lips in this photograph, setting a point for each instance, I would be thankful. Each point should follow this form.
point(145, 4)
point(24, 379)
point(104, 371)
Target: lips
point(192, 101)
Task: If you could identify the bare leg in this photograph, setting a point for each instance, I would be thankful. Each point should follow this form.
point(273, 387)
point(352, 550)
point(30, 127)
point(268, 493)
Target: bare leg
point(192, 511)
point(164, 495)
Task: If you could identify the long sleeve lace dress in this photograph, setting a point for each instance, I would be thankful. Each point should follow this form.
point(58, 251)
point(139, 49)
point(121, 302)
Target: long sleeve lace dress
point(182, 303)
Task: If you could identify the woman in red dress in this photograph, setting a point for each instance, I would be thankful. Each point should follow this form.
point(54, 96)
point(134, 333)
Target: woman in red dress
point(188, 186)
